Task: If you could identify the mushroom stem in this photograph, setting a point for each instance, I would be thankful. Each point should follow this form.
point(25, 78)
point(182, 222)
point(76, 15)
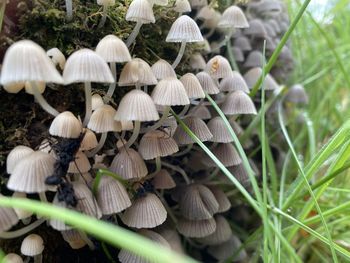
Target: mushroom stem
point(41, 100)
point(184, 110)
point(99, 145)
point(224, 41)
point(38, 258)
point(179, 56)
point(134, 34)
point(88, 109)
point(42, 197)
point(158, 164)
point(22, 231)
point(69, 9)
point(104, 16)
point(159, 123)
point(183, 152)
point(231, 57)
point(113, 85)
point(87, 240)
point(134, 135)
point(179, 170)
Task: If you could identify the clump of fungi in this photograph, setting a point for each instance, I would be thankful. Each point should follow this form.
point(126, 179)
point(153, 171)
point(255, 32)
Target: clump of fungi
point(166, 188)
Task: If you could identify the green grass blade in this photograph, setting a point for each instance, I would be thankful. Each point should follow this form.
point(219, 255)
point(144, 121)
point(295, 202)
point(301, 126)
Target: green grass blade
point(286, 136)
point(112, 234)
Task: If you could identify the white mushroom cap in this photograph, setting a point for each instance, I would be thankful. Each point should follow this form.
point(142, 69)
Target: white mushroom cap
point(27, 61)
point(40, 85)
point(113, 49)
point(66, 125)
point(102, 120)
point(8, 218)
point(162, 69)
point(32, 245)
point(57, 57)
point(30, 173)
point(170, 92)
point(86, 65)
point(197, 61)
point(192, 86)
point(96, 101)
point(12, 258)
point(137, 71)
point(233, 17)
point(136, 105)
point(198, 3)
point(182, 6)
point(15, 156)
point(89, 141)
point(184, 29)
point(140, 10)
point(218, 67)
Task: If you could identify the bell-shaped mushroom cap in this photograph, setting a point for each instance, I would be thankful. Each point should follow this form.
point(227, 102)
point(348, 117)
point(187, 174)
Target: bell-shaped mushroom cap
point(233, 17)
point(57, 57)
point(80, 164)
point(198, 202)
point(27, 61)
point(162, 69)
point(296, 94)
point(197, 126)
point(89, 141)
point(15, 156)
point(129, 164)
point(157, 143)
point(238, 54)
point(86, 201)
point(222, 232)
point(58, 224)
point(207, 83)
point(241, 174)
point(170, 92)
point(137, 71)
point(234, 82)
point(32, 245)
point(226, 153)
point(213, 21)
point(163, 180)
point(12, 258)
point(197, 62)
point(225, 250)
point(242, 43)
point(238, 102)
point(196, 228)
point(66, 125)
point(256, 29)
point(112, 196)
point(182, 6)
point(96, 101)
point(205, 13)
point(14, 87)
point(112, 49)
point(221, 198)
point(200, 111)
point(127, 257)
point(218, 128)
point(145, 212)
point(102, 120)
point(198, 3)
point(136, 105)
point(252, 76)
point(140, 11)
point(270, 30)
point(73, 238)
point(192, 86)
point(273, 23)
point(254, 59)
point(30, 173)
point(218, 67)
point(86, 65)
point(269, 6)
point(127, 125)
point(8, 218)
point(184, 29)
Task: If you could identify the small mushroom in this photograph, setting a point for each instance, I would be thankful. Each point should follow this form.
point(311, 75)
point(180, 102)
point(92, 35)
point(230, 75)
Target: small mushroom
point(33, 246)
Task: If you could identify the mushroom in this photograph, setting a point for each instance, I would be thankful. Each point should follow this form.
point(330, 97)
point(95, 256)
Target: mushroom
point(27, 61)
point(105, 4)
point(12, 258)
point(139, 11)
point(33, 246)
point(183, 30)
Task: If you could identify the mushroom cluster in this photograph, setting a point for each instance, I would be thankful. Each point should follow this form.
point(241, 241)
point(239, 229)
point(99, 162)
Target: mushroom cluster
point(146, 171)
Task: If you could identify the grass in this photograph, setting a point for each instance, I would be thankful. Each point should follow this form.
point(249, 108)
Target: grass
point(311, 192)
